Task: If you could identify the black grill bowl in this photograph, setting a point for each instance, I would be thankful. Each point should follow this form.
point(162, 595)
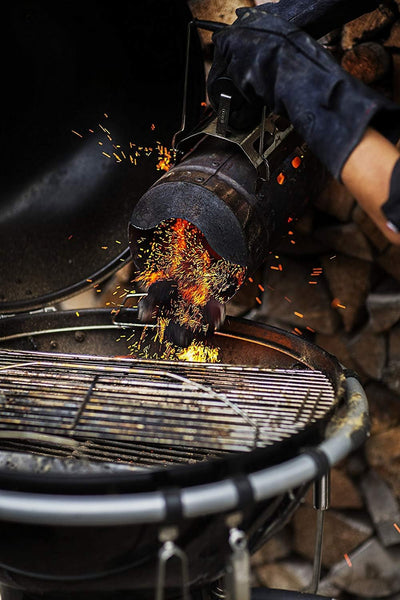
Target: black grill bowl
point(77, 525)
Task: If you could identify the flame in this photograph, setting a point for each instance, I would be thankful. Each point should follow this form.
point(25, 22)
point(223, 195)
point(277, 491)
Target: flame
point(198, 352)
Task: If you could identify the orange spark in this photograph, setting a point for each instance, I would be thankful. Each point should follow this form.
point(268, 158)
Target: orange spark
point(298, 314)
point(280, 178)
point(76, 133)
point(347, 559)
point(164, 158)
point(336, 303)
point(296, 162)
point(397, 528)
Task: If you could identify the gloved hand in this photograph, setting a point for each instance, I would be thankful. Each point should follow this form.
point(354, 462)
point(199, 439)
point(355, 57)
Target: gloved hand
point(273, 63)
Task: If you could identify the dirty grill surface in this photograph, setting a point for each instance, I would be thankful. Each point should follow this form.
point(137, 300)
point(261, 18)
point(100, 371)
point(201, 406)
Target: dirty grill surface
point(151, 412)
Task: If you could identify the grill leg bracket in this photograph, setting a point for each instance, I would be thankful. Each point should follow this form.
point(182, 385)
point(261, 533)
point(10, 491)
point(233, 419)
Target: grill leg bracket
point(321, 496)
point(167, 551)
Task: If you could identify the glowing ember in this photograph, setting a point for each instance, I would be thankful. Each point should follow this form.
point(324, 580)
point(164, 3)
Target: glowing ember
point(179, 252)
point(154, 347)
point(198, 352)
point(164, 158)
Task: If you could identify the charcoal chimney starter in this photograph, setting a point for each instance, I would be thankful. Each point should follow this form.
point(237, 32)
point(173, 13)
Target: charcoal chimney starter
point(243, 208)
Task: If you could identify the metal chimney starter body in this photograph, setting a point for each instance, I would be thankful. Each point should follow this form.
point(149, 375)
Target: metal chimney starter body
point(239, 198)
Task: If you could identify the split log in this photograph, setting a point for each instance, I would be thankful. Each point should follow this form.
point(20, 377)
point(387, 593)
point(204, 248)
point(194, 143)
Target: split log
point(384, 311)
point(347, 238)
point(342, 534)
point(368, 62)
point(367, 26)
point(369, 352)
point(349, 282)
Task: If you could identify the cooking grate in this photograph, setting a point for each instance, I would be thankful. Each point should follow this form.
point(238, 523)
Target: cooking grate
point(152, 412)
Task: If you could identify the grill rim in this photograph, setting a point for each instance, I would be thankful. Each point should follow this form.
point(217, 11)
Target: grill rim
point(344, 435)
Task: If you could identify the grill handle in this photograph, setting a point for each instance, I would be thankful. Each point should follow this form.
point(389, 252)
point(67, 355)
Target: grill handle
point(347, 434)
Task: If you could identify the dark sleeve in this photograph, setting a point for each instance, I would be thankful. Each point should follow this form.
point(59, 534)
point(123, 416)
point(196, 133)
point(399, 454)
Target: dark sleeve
point(319, 17)
point(391, 208)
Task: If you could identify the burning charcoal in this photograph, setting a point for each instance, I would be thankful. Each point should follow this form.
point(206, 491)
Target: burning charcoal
point(178, 335)
point(160, 294)
point(214, 314)
point(188, 283)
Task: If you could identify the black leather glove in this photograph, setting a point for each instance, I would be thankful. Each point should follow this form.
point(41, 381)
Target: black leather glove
point(271, 62)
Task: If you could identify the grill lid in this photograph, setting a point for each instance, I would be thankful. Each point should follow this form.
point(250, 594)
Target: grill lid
point(90, 79)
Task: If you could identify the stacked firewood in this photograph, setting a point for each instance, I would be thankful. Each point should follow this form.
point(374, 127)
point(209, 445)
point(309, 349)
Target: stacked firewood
point(335, 279)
